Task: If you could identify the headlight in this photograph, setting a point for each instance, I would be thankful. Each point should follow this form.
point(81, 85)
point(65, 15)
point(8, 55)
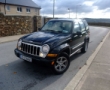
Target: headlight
point(19, 44)
point(45, 48)
point(44, 51)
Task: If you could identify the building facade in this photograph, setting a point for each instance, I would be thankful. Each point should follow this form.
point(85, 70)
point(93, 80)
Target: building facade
point(19, 7)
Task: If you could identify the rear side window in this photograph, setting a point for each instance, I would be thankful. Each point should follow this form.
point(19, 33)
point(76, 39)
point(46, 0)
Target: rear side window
point(82, 26)
point(86, 24)
point(76, 28)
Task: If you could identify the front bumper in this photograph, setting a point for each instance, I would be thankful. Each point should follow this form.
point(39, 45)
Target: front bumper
point(34, 58)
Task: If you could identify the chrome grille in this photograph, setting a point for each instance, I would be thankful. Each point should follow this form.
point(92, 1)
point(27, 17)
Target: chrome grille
point(30, 48)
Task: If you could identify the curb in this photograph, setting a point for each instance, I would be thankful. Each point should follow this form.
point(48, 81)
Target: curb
point(10, 38)
point(8, 41)
point(77, 78)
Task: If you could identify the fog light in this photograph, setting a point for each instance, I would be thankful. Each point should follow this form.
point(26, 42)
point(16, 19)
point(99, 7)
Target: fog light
point(41, 54)
point(19, 48)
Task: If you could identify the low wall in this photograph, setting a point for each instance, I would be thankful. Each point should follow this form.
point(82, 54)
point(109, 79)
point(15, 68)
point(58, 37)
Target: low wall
point(15, 25)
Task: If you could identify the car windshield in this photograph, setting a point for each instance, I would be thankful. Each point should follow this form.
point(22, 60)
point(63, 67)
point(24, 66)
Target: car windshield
point(58, 26)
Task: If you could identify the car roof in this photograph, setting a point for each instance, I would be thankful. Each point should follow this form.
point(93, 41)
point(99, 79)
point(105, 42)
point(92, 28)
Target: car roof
point(66, 19)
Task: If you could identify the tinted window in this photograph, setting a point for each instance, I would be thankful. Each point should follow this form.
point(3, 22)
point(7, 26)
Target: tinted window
point(76, 28)
point(82, 26)
point(86, 24)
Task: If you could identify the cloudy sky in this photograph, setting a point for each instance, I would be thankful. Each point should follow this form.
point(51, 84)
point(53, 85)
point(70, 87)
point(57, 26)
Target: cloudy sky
point(85, 8)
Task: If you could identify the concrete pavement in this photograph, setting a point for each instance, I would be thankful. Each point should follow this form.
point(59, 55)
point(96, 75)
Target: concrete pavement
point(95, 74)
point(10, 38)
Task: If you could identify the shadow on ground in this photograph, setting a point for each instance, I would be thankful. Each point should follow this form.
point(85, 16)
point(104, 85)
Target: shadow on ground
point(21, 75)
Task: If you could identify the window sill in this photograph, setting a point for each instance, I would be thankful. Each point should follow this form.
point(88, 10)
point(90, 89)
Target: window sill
point(19, 12)
point(8, 10)
point(28, 12)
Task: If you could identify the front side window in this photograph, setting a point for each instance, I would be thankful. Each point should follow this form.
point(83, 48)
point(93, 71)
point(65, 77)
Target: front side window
point(28, 10)
point(76, 28)
point(58, 26)
point(7, 7)
point(19, 9)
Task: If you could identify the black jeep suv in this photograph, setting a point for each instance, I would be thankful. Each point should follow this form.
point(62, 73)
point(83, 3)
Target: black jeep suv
point(55, 43)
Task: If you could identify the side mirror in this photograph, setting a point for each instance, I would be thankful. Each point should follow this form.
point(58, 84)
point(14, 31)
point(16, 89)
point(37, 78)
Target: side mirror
point(39, 29)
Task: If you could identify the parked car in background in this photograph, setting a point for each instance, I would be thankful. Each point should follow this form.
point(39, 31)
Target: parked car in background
point(55, 43)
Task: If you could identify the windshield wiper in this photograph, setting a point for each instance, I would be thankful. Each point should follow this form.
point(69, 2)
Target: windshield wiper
point(46, 30)
point(59, 31)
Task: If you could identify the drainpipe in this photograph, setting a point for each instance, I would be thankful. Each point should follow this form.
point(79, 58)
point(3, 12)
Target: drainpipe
point(4, 7)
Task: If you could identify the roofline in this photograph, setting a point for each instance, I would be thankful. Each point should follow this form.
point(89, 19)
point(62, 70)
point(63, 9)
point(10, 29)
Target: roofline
point(20, 5)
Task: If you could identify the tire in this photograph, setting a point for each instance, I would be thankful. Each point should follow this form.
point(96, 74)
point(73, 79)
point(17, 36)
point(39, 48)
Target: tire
point(85, 47)
point(61, 64)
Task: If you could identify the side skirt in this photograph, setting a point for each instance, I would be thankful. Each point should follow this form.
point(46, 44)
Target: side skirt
point(75, 51)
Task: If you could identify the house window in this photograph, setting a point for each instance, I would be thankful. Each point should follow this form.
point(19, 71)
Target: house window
point(7, 7)
point(28, 10)
point(19, 9)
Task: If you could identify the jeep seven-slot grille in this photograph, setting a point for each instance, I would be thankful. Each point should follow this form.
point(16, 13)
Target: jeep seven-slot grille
point(30, 49)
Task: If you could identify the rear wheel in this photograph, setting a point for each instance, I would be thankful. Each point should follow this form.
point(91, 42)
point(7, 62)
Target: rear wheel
point(85, 47)
point(61, 63)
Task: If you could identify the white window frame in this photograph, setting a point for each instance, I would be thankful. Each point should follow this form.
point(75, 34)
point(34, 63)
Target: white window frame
point(28, 10)
point(7, 7)
point(19, 9)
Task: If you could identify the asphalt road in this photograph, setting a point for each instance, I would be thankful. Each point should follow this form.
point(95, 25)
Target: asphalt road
point(15, 74)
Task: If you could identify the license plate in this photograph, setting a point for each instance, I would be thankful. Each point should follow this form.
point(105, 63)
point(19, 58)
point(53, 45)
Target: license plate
point(26, 58)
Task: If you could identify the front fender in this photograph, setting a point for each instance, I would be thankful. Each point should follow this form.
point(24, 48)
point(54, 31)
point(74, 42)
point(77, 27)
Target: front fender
point(61, 48)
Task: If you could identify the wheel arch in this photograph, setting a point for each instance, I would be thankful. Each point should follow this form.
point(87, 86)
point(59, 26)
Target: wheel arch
point(62, 48)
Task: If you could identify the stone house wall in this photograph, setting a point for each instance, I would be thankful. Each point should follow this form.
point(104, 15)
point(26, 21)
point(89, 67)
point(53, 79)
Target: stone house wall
point(15, 25)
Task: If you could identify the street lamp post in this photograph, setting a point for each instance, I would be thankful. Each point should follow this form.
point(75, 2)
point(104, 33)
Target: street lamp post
point(77, 10)
point(53, 8)
point(69, 12)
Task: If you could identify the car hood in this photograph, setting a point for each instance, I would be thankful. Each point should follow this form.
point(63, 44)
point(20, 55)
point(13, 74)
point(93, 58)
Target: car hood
point(44, 37)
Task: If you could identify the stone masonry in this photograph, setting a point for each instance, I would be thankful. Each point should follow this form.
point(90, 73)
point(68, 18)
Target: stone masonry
point(15, 25)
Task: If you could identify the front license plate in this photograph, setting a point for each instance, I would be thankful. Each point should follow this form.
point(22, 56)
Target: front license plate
point(26, 58)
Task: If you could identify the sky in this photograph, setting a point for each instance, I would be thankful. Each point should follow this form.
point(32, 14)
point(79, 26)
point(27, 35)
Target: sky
point(84, 8)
